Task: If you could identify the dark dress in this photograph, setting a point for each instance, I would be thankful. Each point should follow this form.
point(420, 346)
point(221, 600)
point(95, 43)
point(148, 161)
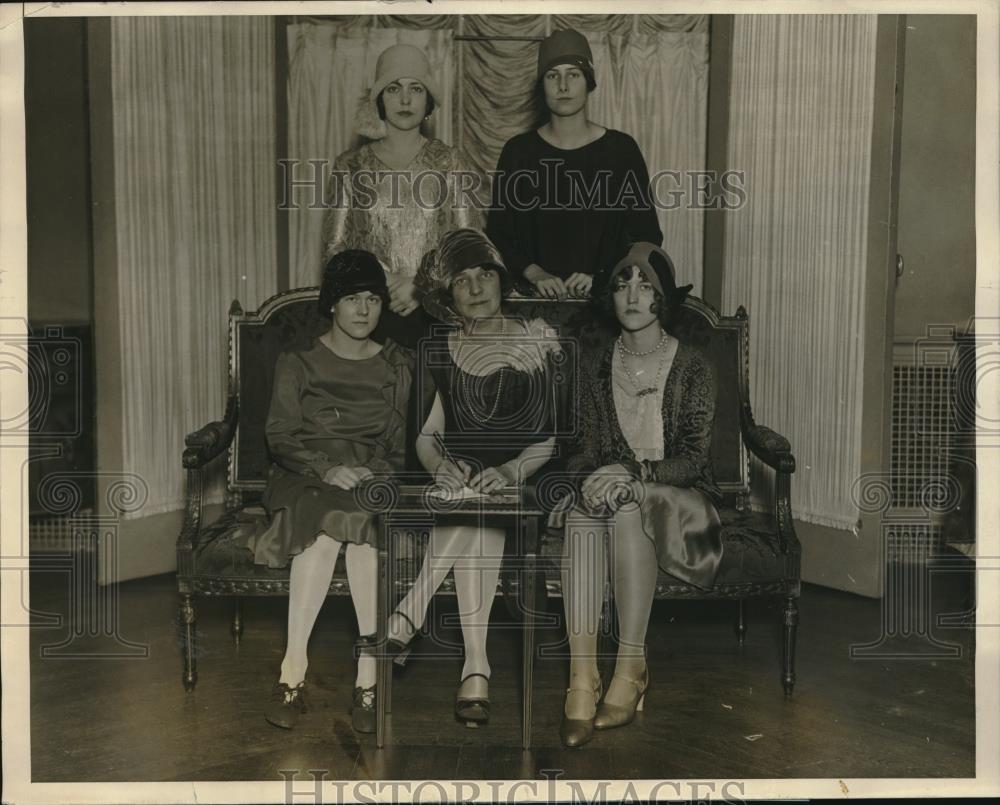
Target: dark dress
point(678, 507)
point(581, 212)
point(328, 411)
point(491, 418)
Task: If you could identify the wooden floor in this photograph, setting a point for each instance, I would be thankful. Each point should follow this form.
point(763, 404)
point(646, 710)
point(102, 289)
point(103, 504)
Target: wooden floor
point(712, 710)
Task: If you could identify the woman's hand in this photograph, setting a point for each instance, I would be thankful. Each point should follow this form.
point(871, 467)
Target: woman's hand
point(579, 284)
point(548, 285)
point(347, 477)
point(601, 482)
point(451, 475)
point(493, 478)
point(401, 301)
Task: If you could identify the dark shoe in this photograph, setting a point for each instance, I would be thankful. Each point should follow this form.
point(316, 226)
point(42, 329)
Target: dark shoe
point(613, 715)
point(363, 709)
point(363, 701)
point(399, 650)
point(286, 705)
point(577, 731)
point(472, 711)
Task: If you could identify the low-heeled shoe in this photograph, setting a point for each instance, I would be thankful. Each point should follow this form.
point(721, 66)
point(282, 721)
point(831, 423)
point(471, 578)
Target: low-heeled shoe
point(286, 705)
point(475, 710)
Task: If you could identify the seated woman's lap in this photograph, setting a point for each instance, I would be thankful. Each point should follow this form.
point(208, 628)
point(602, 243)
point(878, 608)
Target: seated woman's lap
point(676, 507)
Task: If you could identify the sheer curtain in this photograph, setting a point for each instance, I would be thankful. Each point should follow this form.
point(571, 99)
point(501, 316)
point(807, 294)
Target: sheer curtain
point(800, 126)
point(331, 65)
point(194, 131)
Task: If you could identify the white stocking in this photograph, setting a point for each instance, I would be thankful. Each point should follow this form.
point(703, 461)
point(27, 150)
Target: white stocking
point(362, 576)
point(309, 582)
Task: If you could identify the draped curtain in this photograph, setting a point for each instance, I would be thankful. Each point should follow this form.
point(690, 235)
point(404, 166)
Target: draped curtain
point(652, 82)
point(654, 86)
point(194, 145)
point(800, 127)
point(331, 67)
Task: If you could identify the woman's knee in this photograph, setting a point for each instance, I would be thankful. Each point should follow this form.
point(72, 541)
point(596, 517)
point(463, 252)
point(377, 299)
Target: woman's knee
point(628, 528)
point(326, 545)
point(583, 531)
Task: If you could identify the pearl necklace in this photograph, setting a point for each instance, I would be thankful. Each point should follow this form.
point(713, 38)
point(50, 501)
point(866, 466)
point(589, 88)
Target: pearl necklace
point(640, 390)
point(621, 345)
point(468, 395)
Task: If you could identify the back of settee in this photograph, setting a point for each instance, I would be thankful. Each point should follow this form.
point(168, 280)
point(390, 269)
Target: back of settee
point(291, 320)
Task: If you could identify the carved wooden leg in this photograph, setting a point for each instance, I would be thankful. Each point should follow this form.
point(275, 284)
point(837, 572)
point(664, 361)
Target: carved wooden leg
point(741, 624)
point(236, 629)
point(791, 618)
point(188, 632)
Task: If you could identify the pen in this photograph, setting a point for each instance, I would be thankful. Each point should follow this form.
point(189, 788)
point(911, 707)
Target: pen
point(446, 453)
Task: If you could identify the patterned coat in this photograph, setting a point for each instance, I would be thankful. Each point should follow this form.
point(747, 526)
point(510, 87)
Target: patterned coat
point(688, 414)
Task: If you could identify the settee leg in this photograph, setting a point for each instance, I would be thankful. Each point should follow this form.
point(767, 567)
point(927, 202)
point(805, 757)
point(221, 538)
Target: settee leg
point(188, 632)
point(791, 619)
point(741, 624)
point(236, 627)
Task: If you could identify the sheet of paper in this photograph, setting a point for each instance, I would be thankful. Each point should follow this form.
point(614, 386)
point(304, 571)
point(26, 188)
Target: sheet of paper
point(466, 493)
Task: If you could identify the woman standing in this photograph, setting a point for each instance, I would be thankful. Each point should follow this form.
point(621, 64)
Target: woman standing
point(569, 197)
point(491, 425)
point(337, 419)
point(399, 193)
point(647, 404)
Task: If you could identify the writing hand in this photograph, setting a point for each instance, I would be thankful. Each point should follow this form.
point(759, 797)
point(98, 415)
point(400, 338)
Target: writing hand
point(452, 475)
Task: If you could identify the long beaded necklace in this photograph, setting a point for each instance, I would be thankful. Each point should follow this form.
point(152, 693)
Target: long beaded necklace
point(640, 390)
point(469, 396)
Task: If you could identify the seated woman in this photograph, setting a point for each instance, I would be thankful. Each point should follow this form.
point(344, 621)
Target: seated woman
point(337, 419)
point(490, 426)
point(646, 409)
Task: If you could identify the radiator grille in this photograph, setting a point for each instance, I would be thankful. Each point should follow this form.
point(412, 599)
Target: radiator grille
point(53, 534)
point(922, 420)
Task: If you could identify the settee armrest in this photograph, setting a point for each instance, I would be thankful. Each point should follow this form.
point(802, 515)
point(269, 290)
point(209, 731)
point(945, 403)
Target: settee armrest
point(776, 452)
point(769, 446)
point(212, 440)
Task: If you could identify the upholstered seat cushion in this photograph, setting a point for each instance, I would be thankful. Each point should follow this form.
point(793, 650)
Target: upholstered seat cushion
point(222, 552)
point(750, 549)
point(750, 552)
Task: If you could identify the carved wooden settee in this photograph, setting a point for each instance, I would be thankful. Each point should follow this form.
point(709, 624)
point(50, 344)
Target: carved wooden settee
point(761, 551)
